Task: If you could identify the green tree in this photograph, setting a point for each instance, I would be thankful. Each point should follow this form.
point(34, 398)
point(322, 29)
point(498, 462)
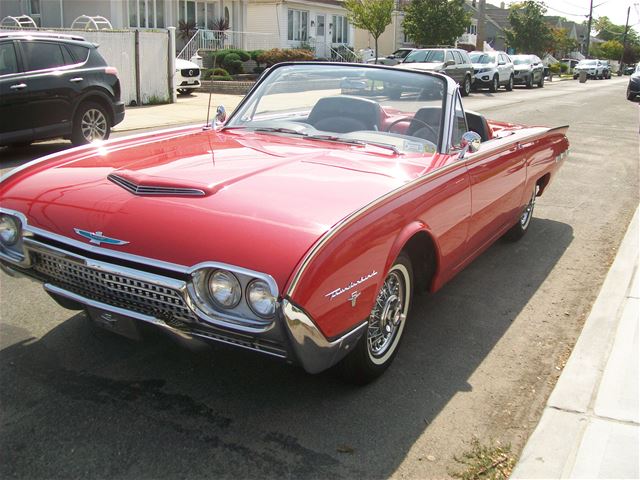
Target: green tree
point(435, 22)
point(610, 31)
point(529, 33)
point(611, 50)
point(370, 15)
point(561, 44)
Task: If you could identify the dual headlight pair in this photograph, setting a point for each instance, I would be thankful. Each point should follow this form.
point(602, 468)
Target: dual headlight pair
point(224, 289)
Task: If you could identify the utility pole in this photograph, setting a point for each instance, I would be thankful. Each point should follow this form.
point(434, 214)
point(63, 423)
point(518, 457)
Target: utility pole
point(480, 30)
point(624, 41)
point(589, 28)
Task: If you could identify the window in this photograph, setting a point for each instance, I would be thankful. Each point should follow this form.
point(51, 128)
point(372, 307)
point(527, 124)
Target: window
point(42, 55)
point(297, 21)
point(459, 124)
point(8, 63)
point(201, 15)
point(34, 11)
point(458, 57)
point(146, 13)
point(449, 57)
point(79, 53)
point(340, 29)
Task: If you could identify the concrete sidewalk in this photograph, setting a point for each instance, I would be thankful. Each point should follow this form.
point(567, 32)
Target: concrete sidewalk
point(188, 109)
point(590, 427)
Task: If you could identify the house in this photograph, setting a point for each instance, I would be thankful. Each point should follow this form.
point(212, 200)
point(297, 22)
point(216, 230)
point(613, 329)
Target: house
point(319, 24)
point(394, 36)
point(124, 14)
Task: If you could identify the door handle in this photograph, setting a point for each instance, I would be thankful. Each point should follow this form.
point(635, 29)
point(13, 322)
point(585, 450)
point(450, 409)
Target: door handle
point(18, 86)
point(76, 79)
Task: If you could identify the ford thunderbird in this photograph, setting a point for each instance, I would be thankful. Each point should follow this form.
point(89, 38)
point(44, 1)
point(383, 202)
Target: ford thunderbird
point(300, 227)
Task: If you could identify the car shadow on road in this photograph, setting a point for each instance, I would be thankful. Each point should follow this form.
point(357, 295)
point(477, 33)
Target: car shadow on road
point(79, 405)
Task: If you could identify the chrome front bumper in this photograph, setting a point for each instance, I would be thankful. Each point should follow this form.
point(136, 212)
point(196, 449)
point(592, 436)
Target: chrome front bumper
point(293, 336)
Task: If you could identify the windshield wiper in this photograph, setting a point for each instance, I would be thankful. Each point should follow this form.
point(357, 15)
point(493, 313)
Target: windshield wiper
point(288, 131)
point(353, 141)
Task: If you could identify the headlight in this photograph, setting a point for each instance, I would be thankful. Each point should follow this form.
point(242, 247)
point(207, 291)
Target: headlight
point(224, 288)
point(260, 299)
point(483, 70)
point(9, 230)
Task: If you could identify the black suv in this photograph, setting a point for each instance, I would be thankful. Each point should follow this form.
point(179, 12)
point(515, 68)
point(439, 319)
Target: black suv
point(53, 86)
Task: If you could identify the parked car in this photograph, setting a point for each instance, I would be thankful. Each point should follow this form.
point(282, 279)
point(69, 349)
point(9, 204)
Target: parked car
point(606, 74)
point(299, 228)
point(492, 69)
point(55, 85)
point(187, 77)
point(453, 62)
point(629, 69)
point(633, 88)
point(393, 59)
point(593, 67)
point(528, 70)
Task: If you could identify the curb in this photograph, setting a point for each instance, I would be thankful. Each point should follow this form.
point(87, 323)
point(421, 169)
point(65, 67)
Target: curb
point(586, 429)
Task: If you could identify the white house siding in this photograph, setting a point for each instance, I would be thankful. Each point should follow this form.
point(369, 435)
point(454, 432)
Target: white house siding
point(271, 17)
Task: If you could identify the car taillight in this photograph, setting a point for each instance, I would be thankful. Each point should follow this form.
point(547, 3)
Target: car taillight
point(111, 71)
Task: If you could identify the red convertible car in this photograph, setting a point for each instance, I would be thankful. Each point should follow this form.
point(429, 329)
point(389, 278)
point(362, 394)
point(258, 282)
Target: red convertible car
point(300, 227)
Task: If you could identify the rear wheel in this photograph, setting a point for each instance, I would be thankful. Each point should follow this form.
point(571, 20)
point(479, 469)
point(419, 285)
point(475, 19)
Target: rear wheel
point(378, 346)
point(91, 123)
point(529, 81)
point(519, 229)
point(541, 81)
point(509, 86)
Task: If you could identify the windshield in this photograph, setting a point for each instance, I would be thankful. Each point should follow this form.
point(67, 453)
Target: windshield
point(521, 60)
point(482, 58)
point(587, 62)
point(396, 109)
point(425, 56)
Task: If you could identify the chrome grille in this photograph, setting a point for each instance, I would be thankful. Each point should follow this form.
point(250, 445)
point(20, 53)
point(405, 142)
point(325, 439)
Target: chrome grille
point(190, 72)
point(154, 190)
point(117, 290)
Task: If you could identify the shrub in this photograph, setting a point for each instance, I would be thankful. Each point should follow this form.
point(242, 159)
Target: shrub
point(259, 69)
point(564, 68)
point(222, 77)
point(554, 68)
point(232, 63)
point(255, 54)
point(220, 72)
point(277, 55)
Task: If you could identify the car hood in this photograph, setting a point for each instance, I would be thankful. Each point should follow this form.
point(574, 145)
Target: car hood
point(267, 198)
point(478, 66)
point(519, 68)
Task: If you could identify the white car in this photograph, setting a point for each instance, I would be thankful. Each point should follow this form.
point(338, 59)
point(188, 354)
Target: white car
point(594, 69)
point(491, 70)
point(187, 77)
point(393, 59)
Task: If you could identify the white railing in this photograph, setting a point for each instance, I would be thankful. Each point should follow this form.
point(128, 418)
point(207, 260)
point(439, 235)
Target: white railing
point(219, 39)
point(343, 53)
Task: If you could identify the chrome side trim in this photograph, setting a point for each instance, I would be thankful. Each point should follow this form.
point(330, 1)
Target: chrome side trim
point(345, 222)
point(312, 349)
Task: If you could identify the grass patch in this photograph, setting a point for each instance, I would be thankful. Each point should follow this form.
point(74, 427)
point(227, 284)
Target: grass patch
point(493, 462)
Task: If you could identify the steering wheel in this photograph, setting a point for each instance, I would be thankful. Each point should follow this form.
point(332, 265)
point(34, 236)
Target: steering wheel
point(411, 119)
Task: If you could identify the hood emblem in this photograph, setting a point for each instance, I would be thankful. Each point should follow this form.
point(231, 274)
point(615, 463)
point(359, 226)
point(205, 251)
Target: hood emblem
point(97, 238)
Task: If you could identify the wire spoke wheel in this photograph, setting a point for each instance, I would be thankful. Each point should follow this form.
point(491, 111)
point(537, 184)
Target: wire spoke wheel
point(525, 218)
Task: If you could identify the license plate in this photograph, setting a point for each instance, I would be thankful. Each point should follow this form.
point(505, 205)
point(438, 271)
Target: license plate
point(116, 323)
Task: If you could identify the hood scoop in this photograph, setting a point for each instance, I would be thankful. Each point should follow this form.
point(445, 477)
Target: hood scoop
point(157, 189)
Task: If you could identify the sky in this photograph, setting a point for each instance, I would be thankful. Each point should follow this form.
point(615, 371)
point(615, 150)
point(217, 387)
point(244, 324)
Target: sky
point(578, 10)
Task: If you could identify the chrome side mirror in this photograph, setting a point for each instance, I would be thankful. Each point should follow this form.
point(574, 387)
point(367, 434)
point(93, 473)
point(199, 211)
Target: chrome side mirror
point(470, 143)
point(221, 115)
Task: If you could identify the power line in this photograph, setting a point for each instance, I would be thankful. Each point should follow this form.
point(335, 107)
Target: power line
point(567, 13)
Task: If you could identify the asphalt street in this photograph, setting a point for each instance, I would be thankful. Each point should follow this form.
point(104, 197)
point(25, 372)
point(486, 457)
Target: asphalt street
point(479, 357)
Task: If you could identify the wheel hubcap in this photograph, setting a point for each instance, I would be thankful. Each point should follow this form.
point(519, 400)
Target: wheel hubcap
point(526, 215)
point(93, 125)
point(387, 315)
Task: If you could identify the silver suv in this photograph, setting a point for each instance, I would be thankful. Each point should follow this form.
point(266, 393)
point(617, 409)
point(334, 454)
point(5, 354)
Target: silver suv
point(492, 70)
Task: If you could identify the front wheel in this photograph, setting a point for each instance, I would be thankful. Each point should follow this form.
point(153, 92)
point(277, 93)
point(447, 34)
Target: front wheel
point(466, 86)
point(495, 84)
point(378, 346)
point(90, 124)
point(519, 229)
point(541, 81)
